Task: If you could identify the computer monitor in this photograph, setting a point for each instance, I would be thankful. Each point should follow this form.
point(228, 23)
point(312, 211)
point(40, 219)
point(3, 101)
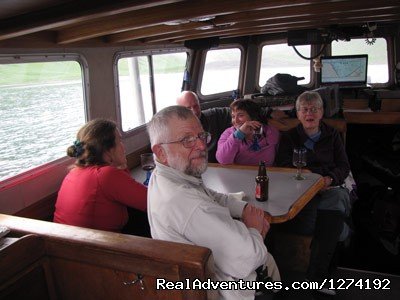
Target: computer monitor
point(344, 70)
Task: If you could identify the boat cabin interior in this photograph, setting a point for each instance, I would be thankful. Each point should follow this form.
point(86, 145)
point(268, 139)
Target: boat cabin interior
point(65, 62)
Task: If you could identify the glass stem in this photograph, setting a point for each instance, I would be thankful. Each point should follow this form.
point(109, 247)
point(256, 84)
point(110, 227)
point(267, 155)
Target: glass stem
point(148, 176)
point(298, 172)
point(146, 182)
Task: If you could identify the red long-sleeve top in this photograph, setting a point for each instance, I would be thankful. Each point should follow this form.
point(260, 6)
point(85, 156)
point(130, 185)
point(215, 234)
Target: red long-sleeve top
point(97, 197)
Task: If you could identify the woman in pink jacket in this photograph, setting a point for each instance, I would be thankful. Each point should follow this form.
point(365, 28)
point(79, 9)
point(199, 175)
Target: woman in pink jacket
point(249, 140)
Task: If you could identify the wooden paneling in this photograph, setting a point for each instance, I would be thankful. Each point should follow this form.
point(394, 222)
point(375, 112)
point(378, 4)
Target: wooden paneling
point(94, 264)
point(17, 256)
point(178, 20)
point(108, 283)
point(390, 105)
point(25, 271)
point(355, 104)
point(41, 210)
point(372, 117)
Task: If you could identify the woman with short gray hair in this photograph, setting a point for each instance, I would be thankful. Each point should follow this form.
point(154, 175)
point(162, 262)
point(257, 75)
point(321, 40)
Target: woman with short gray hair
point(323, 217)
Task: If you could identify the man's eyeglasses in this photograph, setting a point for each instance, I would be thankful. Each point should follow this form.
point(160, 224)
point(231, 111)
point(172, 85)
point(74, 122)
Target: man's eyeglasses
point(312, 110)
point(190, 141)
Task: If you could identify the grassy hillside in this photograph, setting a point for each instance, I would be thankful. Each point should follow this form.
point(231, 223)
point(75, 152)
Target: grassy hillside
point(31, 73)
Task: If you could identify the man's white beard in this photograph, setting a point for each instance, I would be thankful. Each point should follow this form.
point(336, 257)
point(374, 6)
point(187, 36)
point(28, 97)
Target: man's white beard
point(177, 163)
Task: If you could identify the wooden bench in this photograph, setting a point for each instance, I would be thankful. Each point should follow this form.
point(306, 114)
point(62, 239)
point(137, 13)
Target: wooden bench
point(55, 261)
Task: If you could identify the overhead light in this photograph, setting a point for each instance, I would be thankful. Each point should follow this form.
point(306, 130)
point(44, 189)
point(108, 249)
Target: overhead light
point(202, 19)
point(211, 25)
point(205, 27)
point(176, 22)
point(185, 21)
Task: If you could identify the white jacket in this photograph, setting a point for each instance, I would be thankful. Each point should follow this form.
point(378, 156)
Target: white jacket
point(182, 209)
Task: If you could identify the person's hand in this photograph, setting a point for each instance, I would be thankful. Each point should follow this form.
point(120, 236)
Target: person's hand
point(253, 217)
point(248, 127)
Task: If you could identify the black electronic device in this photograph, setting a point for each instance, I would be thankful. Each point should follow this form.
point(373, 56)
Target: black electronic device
point(307, 37)
point(344, 70)
point(206, 43)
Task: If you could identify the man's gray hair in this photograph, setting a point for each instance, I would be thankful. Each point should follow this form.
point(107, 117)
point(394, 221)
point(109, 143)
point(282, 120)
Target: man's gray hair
point(309, 97)
point(158, 127)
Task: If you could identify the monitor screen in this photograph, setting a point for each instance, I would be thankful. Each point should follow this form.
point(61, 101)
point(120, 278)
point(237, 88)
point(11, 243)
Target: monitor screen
point(346, 69)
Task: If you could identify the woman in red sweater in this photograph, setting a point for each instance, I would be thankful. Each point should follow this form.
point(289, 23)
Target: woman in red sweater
point(97, 192)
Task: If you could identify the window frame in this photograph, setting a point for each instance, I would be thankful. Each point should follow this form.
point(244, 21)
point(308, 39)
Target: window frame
point(208, 98)
point(53, 166)
point(135, 53)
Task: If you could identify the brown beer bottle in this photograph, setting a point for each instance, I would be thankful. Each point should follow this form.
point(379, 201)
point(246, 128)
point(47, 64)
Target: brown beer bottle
point(262, 183)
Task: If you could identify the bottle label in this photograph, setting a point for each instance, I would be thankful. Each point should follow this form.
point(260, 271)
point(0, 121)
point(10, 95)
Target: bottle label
point(258, 191)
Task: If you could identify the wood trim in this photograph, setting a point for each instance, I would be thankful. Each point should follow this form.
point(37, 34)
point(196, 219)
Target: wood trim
point(161, 14)
point(300, 203)
point(372, 117)
point(355, 104)
point(145, 248)
point(15, 257)
point(113, 255)
point(130, 20)
point(390, 105)
point(265, 21)
point(68, 15)
point(40, 210)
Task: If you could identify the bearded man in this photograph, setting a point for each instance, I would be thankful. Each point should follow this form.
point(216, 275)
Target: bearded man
point(181, 209)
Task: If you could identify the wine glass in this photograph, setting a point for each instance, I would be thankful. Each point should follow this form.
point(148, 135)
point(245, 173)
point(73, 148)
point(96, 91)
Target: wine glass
point(299, 161)
point(257, 133)
point(147, 162)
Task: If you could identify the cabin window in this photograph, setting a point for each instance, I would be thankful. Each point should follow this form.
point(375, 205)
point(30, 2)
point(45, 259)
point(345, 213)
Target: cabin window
point(281, 58)
point(41, 109)
point(221, 71)
point(138, 75)
point(378, 66)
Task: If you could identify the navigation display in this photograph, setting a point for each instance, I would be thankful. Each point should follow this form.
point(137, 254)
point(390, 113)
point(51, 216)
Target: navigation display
point(346, 69)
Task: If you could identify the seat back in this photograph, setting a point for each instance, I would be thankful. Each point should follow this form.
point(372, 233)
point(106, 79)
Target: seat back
point(94, 264)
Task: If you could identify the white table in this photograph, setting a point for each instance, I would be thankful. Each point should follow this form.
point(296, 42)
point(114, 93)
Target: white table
point(287, 196)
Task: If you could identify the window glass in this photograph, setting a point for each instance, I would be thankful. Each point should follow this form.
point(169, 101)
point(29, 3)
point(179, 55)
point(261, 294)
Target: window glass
point(168, 77)
point(134, 91)
point(135, 85)
point(41, 109)
point(281, 58)
point(221, 71)
point(378, 67)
